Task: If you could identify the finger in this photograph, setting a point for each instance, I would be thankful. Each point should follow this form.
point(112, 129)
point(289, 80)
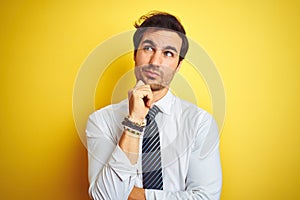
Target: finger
point(150, 100)
point(150, 103)
point(142, 89)
point(139, 83)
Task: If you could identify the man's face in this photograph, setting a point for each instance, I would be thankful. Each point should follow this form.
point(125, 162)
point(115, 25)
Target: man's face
point(157, 57)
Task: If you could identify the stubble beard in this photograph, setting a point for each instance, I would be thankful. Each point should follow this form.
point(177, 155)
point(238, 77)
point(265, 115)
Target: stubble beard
point(156, 84)
point(156, 87)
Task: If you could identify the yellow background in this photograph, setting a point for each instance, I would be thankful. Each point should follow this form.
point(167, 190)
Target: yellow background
point(254, 44)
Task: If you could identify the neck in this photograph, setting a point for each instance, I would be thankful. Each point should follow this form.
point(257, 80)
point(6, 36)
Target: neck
point(157, 95)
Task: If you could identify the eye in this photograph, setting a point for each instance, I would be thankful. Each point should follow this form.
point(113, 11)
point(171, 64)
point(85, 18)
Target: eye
point(169, 54)
point(148, 48)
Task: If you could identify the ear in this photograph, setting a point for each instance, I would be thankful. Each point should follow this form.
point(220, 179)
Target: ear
point(178, 66)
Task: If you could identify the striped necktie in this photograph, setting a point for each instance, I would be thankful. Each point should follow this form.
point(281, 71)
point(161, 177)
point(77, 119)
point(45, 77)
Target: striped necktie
point(151, 158)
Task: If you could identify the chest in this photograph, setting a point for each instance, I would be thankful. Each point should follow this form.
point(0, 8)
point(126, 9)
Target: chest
point(176, 137)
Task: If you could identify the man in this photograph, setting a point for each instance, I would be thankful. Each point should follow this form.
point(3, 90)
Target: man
point(154, 145)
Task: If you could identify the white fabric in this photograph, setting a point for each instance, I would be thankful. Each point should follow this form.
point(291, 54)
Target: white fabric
point(190, 153)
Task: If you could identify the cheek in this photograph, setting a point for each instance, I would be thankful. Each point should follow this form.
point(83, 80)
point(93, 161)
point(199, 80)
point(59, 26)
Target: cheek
point(139, 58)
point(172, 64)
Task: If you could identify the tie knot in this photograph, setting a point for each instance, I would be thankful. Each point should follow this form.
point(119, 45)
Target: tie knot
point(153, 112)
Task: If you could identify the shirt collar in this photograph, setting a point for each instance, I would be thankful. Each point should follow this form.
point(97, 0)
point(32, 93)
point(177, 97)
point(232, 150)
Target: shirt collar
point(165, 103)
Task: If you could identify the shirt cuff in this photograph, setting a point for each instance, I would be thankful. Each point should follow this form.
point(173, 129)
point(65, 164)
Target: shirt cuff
point(121, 165)
point(154, 194)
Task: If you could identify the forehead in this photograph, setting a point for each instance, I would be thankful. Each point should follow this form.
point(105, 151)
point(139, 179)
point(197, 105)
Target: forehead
point(163, 38)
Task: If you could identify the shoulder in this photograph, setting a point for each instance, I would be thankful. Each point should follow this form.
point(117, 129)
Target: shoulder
point(109, 117)
point(201, 124)
point(111, 110)
point(191, 111)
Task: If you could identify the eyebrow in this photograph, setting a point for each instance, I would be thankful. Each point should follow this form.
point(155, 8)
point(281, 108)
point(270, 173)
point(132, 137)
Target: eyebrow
point(171, 48)
point(167, 47)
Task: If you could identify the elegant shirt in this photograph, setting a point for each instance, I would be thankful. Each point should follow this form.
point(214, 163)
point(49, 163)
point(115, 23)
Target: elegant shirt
point(190, 158)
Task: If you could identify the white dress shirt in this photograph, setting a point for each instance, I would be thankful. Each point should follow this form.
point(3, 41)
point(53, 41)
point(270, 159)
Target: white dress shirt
point(189, 140)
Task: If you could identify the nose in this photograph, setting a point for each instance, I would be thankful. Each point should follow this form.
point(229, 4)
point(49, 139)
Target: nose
point(156, 58)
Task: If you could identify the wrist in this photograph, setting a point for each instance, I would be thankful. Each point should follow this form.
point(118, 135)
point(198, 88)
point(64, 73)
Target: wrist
point(132, 133)
point(133, 128)
point(137, 121)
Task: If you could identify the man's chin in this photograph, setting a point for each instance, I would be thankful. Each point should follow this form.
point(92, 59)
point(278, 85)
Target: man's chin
point(156, 87)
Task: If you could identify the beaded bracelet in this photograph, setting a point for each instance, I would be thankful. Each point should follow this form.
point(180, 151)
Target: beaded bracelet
point(132, 125)
point(132, 133)
point(141, 124)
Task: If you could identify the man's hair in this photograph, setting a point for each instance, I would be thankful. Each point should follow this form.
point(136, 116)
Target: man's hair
point(160, 20)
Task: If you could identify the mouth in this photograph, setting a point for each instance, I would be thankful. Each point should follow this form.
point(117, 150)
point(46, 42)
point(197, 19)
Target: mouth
point(151, 74)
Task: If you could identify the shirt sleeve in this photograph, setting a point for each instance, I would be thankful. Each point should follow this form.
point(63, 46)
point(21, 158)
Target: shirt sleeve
point(111, 175)
point(204, 177)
